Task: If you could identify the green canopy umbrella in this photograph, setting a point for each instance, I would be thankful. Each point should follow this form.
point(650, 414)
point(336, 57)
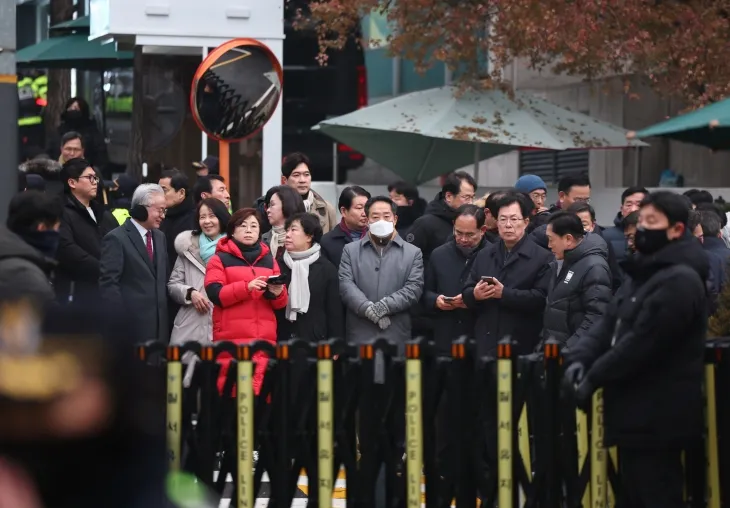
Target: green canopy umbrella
point(423, 135)
point(708, 126)
point(73, 51)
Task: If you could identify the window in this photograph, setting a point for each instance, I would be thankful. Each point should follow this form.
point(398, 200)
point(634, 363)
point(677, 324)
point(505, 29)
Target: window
point(552, 165)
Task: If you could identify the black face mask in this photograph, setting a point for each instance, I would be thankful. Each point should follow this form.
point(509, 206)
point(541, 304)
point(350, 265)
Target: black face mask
point(649, 241)
point(44, 241)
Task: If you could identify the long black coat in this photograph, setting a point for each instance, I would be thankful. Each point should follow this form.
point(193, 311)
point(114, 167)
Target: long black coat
point(79, 250)
point(333, 243)
point(324, 319)
point(447, 273)
point(525, 274)
point(178, 219)
point(579, 294)
point(133, 283)
point(647, 352)
point(433, 228)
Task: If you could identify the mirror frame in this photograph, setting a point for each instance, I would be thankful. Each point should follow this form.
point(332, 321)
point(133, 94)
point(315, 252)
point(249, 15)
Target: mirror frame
point(210, 60)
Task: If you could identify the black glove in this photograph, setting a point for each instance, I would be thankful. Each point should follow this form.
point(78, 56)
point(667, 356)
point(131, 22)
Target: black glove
point(584, 395)
point(574, 374)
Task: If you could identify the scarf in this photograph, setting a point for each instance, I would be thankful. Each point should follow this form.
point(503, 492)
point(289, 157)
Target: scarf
point(299, 263)
point(353, 234)
point(308, 201)
point(207, 247)
point(250, 253)
point(278, 235)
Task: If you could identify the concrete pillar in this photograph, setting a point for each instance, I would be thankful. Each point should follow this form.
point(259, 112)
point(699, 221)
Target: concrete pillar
point(9, 107)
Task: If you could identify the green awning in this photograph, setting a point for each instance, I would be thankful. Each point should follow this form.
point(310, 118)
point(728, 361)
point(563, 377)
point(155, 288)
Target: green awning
point(81, 24)
point(74, 51)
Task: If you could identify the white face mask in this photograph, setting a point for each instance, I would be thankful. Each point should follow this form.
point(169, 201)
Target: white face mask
point(382, 229)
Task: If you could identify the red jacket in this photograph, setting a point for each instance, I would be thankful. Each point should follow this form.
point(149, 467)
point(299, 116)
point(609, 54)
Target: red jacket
point(241, 315)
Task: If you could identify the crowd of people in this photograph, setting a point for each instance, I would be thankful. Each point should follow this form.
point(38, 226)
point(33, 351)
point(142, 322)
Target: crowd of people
point(629, 303)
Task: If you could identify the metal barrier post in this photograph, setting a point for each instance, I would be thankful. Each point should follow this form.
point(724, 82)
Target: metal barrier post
point(598, 454)
point(711, 443)
point(244, 427)
point(174, 407)
point(414, 425)
point(552, 463)
point(505, 470)
point(325, 424)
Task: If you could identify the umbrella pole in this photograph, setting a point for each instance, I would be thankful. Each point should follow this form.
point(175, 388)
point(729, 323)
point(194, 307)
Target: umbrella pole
point(224, 161)
point(334, 162)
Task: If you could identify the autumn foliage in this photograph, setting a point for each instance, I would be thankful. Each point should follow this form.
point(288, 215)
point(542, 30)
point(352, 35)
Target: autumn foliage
point(680, 46)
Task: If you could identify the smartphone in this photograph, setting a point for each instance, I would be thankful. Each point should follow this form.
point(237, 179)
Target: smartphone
point(449, 299)
point(276, 280)
point(488, 280)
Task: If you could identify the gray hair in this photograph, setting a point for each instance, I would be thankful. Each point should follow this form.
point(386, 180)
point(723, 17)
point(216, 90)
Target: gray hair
point(143, 194)
point(711, 224)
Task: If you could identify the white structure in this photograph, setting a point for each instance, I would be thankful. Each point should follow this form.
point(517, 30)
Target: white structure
point(192, 27)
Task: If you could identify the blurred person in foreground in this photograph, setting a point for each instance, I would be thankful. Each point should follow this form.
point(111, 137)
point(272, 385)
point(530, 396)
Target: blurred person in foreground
point(647, 353)
point(28, 247)
point(87, 429)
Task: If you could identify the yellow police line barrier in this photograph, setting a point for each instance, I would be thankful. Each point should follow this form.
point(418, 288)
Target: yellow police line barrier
point(581, 434)
point(174, 407)
point(325, 425)
point(505, 495)
point(414, 426)
point(713, 460)
point(598, 454)
point(244, 427)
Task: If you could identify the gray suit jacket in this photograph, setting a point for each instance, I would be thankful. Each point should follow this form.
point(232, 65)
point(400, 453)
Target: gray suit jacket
point(133, 284)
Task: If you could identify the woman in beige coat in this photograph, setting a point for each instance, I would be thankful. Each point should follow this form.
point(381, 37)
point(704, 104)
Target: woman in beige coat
point(194, 320)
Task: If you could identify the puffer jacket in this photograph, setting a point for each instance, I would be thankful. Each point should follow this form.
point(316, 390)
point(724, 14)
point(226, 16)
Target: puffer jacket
point(240, 315)
point(189, 272)
point(579, 293)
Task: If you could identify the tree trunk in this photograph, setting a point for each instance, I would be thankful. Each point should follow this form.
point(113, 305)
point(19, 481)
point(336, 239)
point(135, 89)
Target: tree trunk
point(135, 151)
point(59, 80)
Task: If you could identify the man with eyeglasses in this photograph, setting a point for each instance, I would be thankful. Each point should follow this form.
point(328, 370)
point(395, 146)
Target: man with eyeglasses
point(435, 226)
point(83, 225)
point(509, 282)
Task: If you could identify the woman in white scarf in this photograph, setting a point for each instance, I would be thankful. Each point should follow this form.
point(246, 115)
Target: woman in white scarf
point(314, 311)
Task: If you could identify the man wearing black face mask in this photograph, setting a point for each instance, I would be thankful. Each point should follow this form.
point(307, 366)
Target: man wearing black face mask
point(28, 247)
point(647, 355)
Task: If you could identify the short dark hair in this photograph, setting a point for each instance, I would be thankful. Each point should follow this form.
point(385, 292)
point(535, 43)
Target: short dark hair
point(491, 202)
point(73, 169)
point(580, 207)
point(405, 189)
point(238, 217)
point(472, 211)
point(631, 219)
point(70, 136)
point(510, 198)
point(291, 161)
point(670, 204)
point(219, 210)
point(291, 200)
point(711, 225)
point(698, 196)
point(452, 183)
point(630, 191)
point(566, 223)
point(178, 179)
point(694, 220)
point(348, 194)
point(310, 225)
point(569, 181)
point(204, 184)
point(32, 208)
point(380, 199)
point(714, 207)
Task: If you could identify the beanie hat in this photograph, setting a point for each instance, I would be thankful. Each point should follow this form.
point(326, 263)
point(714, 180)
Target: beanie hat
point(529, 183)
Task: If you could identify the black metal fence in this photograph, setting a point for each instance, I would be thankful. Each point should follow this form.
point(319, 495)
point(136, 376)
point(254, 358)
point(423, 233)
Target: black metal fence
point(440, 430)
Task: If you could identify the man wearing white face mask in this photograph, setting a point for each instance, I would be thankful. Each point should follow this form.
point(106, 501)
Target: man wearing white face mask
point(381, 278)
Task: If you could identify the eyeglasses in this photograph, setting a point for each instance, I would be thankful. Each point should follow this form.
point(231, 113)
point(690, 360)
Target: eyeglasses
point(467, 197)
point(161, 211)
point(503, 221)
point(538, 196)
point(92, 179)
point(582, 200)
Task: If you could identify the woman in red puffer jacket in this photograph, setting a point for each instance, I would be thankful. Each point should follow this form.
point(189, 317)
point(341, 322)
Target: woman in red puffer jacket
point(236, 283)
